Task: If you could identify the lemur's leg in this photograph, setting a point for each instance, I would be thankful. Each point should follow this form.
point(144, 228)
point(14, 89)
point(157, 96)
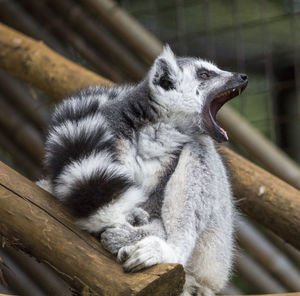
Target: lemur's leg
point(210, 262)
point(198, 217)
point(193, 288)
point(186, 210)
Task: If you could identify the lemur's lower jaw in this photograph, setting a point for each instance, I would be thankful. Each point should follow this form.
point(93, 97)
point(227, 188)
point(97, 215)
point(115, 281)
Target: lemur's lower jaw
point(216, 100)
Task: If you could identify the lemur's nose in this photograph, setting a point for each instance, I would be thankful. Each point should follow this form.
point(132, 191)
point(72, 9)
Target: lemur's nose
point(244, 77)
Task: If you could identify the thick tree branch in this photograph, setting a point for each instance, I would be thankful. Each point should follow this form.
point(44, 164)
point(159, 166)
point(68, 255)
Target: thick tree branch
point(35, 222)
point(40, 66)
point(264, 197)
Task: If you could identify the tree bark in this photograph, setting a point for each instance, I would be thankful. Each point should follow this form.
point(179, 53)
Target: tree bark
point(117, 53)
point(264, 197)
point(256, 275)
point(23, 133)
point(35, 222)
point(62, 30)
point(274, 159)
point(270, 257)
point(126, 27)
point(13, 15)
point(37, 64)
point(22, 159)
point(19, 96)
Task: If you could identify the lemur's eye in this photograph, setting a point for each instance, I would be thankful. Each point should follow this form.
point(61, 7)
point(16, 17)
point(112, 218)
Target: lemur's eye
point(203, 75)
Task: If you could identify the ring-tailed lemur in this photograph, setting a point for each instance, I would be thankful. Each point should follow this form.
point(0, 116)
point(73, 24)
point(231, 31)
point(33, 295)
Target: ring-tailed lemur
point(137, 165)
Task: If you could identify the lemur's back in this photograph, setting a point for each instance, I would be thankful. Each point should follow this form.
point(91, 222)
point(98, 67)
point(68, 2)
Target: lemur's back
point(100, 145)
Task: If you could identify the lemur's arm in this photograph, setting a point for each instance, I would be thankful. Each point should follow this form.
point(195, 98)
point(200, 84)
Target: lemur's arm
point(81, 159)
point(184, 217)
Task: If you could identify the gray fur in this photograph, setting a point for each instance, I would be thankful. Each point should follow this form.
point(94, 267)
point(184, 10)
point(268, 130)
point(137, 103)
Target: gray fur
point(177, 204)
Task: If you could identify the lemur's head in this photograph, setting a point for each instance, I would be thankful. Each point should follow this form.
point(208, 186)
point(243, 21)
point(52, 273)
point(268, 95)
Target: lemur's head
point(192, 91)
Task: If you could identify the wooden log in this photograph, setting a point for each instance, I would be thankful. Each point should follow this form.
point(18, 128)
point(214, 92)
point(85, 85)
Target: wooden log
point(35, 222)
point(15, 16)
point(42, 276)
point(62, 30)
point(16, 278)
point(277, 207)
point(256, 275)
point(292, 252)
point(126, 27)
point(268, 255)
point(117, 53)
point(264, 197)
point(274, 159)
point(21, 159)
point(19, 96)
point(35, 63)
point(23, 134)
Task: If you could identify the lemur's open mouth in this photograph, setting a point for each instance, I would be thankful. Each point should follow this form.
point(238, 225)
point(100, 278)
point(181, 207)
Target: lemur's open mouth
point(216, 105)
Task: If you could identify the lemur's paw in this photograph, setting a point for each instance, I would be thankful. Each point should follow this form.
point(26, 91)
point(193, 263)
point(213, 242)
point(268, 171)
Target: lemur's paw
point(138, 217)
point(118, 236)
point(145, 253)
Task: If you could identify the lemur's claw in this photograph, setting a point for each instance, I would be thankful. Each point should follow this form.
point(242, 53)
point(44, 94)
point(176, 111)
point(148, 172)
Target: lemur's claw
point(143, 254)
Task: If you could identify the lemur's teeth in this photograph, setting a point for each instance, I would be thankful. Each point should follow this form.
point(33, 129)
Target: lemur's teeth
point(233, 89)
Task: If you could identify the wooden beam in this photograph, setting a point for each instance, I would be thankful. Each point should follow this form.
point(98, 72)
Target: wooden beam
point(35, 222)
point(268, 255)
point(126, 27)
point(271, 156)
point(264, 197)
point(256, 275)
point(103, 40)
point(37, 64)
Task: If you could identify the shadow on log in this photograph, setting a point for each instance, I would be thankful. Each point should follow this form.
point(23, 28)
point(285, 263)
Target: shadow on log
point(35, 222)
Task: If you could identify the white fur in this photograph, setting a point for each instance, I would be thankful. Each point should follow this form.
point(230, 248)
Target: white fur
point(45, 184)
point(149, 153)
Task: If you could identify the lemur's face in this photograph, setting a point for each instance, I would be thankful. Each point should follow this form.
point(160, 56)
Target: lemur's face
point(192, 91)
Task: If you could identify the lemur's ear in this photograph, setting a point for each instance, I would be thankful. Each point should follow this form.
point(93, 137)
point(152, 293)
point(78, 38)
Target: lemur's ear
point(164, 71)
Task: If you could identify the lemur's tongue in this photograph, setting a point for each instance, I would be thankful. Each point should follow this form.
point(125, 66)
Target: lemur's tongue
point(218, 132)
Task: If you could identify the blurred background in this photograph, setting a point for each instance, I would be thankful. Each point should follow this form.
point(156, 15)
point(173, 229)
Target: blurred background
point(258, 37)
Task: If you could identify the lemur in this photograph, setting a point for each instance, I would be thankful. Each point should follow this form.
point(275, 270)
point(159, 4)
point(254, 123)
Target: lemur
point(137, 166)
